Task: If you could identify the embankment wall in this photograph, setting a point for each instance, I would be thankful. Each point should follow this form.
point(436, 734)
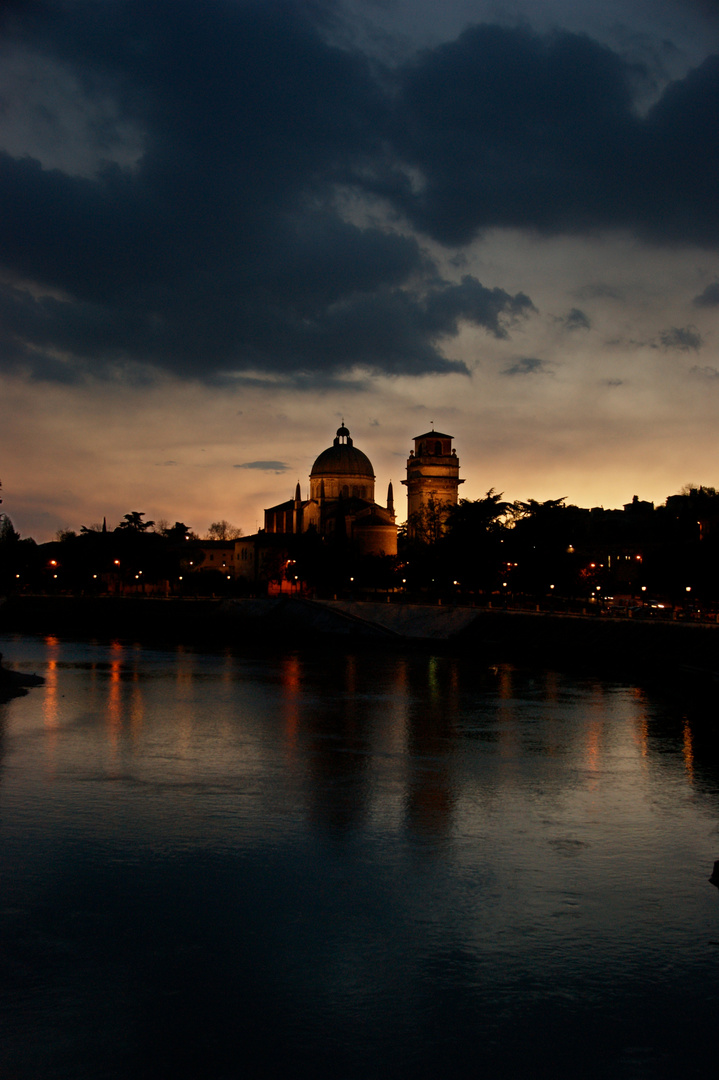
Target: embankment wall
point(491, 635)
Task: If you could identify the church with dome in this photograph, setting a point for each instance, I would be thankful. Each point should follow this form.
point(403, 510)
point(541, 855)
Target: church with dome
point(341, 507)
point(341, 502)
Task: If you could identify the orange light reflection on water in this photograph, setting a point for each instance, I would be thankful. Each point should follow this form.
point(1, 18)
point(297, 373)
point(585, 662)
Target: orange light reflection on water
point(114, 695)
point(688, 750)
point(291, 685)
point(50, 708)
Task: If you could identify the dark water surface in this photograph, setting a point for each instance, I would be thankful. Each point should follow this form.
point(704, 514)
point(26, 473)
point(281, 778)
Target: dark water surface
point(359, 866)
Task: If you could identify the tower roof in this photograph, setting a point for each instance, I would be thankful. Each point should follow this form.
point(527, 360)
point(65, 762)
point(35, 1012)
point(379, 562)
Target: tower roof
point(342, 459)
point(434, 435)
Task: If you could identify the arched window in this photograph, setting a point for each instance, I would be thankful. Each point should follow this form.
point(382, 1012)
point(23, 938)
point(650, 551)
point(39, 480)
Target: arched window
point(438, 448)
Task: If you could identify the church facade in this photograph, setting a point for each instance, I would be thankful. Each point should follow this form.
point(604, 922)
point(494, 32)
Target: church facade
point(341, 502)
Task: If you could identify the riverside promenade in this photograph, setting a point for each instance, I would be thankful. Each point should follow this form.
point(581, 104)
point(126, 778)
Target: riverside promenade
point(494, 635)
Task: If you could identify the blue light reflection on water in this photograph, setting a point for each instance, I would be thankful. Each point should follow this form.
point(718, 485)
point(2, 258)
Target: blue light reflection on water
point(351, 865)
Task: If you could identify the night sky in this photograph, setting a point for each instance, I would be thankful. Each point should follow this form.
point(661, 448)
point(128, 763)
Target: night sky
point(225, 225)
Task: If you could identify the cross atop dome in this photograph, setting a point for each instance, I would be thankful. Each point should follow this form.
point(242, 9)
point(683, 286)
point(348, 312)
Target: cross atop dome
point(343, 435)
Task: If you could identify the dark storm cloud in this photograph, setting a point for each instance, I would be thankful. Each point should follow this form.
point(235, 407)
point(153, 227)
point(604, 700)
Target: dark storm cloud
point(221, 250)
point(681, 338)
point(576, 319)
point(507, 128)
point(598, 291)
point(530, 365)
point(226, 248)
point(264, 466)
point(710, 296)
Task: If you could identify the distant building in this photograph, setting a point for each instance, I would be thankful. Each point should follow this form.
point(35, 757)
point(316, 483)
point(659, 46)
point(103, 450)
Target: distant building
point(341, 502)
point(432, 480)
point(638, 507)
point(209, 555)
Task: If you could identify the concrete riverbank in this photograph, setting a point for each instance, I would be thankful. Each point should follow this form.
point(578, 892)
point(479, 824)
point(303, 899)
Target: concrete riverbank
point(495, 635)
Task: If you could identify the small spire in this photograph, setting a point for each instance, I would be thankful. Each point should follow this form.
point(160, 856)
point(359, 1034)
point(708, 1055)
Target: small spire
point(390, 498)
point(298, 496)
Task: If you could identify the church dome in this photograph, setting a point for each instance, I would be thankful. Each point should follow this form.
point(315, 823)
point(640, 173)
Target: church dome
point(342, 459)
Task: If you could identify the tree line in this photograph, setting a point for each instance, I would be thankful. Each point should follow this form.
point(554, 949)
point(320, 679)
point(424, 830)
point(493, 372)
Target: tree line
point(479, 548)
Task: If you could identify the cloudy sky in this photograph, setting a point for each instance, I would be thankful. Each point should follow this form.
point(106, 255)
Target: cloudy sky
point(226, 225)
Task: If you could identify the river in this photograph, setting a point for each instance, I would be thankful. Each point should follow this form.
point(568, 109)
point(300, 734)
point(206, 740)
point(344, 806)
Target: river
point(352, 865)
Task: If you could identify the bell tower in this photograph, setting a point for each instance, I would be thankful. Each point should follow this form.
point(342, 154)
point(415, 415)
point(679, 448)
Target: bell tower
point(432, 480)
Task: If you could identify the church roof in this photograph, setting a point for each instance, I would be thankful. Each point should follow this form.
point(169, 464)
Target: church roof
point(372, 520)
point(342, 459)
point(434, 435)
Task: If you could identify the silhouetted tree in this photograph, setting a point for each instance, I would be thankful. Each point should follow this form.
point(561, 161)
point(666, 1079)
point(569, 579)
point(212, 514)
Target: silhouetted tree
point(543, 544)
point(223, 530)
point(133, 522)
point(7, 532)
point(426, 526)
point(18, 558)
point(178, 533)
point(471, 551)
